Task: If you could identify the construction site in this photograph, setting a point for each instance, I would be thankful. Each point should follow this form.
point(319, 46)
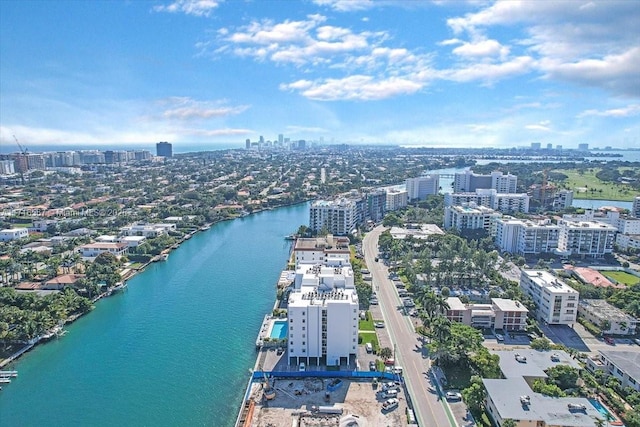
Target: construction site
point(322, 402)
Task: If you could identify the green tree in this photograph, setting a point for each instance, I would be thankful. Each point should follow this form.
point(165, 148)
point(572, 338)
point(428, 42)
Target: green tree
point(475, 394)
point(564, 376)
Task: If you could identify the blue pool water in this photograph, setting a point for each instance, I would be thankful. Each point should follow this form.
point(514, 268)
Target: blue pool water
point(279, 329)
point(596, 404)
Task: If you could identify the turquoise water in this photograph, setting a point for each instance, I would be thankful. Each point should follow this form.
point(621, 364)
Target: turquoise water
point(279, 329)
point(174, 349)
point(596, 404)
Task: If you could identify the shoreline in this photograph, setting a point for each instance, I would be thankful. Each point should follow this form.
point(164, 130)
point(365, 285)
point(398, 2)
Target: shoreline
point(34, 342)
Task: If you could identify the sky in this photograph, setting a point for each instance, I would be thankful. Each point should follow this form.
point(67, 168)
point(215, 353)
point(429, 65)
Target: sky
point(430, 73)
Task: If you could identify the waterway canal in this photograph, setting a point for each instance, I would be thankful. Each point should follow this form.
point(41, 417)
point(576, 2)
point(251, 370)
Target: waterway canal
point(174, 349)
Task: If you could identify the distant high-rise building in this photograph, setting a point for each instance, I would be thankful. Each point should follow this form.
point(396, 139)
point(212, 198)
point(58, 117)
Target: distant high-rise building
point(468, 182)
point(535, 145)
point(549, 146)
point(423, 186)
point(558, 147)
point(247, 144)
point(635, 210)
point(583, 147)
point(280, 139)
point(164, 149)
point(302, 144)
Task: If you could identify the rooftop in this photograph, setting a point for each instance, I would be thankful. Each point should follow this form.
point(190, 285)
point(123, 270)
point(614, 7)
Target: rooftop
point(547, 280)
point(604, 309)
point(627, 361)
point(513, 398)
point(535, 362)
point(508, 305)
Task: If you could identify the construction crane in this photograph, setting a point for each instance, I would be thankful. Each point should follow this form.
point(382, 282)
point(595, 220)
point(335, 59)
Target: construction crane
point(22, 164)
point(23, 151)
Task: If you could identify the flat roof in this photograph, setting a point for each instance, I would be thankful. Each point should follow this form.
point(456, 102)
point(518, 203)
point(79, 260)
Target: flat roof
point(509, 305)
point(506, 396)
point(536, 362)
point(627, 361)
point(547, 280)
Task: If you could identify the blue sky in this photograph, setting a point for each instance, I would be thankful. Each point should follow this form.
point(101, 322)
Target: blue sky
point(432, 73)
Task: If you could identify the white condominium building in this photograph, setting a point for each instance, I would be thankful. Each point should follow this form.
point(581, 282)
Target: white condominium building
point(396, 199)
point(506, 314)
point(526, 237)
point(338, 217)
point(628, 225)
point(490, 198)
point(586, 238)
point(323, 316)
point(628, 241)
point(599, 312)
point(635, 210)
point(557, 302)
point(468, 181)
point(422, 186)
point(321, 249)
point(13, 234)
point(470, 216)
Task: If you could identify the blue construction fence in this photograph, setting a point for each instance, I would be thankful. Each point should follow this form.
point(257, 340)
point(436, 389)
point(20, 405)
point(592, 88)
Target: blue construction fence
point(258, 375)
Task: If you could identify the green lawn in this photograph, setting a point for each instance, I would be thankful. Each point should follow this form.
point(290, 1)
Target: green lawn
point(367, 324)
point(365, 337)
point(588, 186)
point(622, 277)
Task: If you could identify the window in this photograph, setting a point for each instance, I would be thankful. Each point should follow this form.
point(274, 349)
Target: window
point(304, 336)
point(303, 328)
point(304, 350)
point(303, 320)
point(290, 320)
point(304, 343)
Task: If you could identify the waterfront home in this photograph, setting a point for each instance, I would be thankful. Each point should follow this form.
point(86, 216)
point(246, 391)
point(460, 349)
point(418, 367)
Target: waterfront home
point(94, 249)
point(62, 281)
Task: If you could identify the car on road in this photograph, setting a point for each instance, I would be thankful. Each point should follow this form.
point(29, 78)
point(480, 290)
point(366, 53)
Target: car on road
point(499, 337)
point(372, 365)
point(379, 324)
point(390, 361)
point(453, 396)
point(609, 340)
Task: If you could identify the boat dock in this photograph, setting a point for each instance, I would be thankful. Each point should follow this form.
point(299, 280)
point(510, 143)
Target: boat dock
point(8, 374)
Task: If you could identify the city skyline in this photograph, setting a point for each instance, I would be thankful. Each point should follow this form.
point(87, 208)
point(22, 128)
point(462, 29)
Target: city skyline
point(425, 73)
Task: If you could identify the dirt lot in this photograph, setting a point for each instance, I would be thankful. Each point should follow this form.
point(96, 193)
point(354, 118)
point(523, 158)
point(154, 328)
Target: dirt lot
point(361, 405)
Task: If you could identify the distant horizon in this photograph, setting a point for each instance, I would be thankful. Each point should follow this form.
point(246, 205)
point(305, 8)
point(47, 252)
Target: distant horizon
point(180, 147)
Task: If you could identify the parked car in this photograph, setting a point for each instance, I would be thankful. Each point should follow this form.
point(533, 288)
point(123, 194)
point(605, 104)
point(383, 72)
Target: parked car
point(453, 396)
point(390, 404)
point(368, 347)
point(390, 393)
point(379, 324)
point(390, 361)
point(499, 337)
point(302, 367)
point(372, 365)
point(609, 340)
point(373, 301)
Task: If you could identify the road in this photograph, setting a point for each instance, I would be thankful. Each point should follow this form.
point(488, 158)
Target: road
point(429, 409)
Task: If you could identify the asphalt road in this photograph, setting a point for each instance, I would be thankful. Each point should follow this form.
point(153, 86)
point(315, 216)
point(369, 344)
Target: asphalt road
point(429, 409)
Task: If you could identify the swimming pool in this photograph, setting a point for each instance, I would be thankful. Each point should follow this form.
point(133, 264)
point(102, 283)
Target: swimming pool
point(604, 411)
point(278, 329)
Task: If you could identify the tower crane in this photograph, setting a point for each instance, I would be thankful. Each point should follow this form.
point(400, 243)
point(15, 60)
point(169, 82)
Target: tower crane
point(23, 159)
point(23, 151)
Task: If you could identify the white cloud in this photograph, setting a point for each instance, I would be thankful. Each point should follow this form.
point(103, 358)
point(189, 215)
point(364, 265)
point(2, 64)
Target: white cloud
point(543, 126)
point(481, 49)
point(190, 7)
point(358, 87)
point(183, 108)
point(589, 43)
point(489, 72)
point(628, 111)
point(346, 5)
